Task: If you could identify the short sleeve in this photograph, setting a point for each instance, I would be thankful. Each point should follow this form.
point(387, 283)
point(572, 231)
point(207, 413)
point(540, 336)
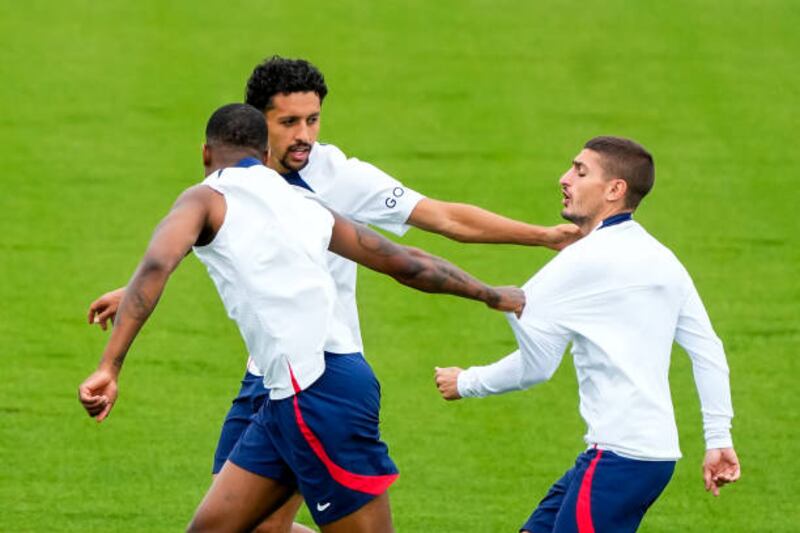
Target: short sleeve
point(366, 194)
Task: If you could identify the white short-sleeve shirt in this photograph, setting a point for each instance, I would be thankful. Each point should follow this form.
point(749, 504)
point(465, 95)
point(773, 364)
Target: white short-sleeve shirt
point(363, 193)
point(269, 264)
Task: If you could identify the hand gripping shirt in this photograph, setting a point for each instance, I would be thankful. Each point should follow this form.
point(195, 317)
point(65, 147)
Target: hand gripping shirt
point(620, 298)
point(269, 264)
point(362, 193)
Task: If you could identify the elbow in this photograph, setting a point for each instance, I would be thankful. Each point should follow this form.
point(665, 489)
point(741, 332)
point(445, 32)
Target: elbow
point(157, 267)
point(534, 378)
point(529, 381)
point(451, 220)
point(459, 233)
point(450, 227)
point(462, 238)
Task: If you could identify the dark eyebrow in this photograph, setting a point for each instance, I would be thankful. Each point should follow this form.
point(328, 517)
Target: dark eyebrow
point(578, 164)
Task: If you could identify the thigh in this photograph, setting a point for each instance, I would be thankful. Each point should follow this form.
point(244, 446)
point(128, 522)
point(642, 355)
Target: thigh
point(258, 450)
point(624, 489)
point(329, 436)
point(238, 500)
point(374, 517)
point(543, 518)
point(612, 494)
point(246, 404)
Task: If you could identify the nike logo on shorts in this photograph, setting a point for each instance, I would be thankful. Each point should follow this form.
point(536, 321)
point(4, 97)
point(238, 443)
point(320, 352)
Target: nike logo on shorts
point(322, 506)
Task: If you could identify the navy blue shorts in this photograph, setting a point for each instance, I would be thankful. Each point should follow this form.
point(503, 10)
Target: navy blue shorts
point(324, 440)
point(602, 492)
point(246, 404)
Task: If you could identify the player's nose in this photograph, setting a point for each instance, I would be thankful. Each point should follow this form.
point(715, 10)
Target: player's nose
point(302, 133)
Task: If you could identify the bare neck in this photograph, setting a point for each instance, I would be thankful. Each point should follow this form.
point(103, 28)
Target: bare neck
point(227, 157)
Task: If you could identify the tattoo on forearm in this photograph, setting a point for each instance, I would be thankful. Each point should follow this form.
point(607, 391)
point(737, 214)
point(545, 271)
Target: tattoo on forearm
point(119, 360)
point(373, 242)
point(438, 275)
point(136, 307)
point(427, 272)
point(453, 278)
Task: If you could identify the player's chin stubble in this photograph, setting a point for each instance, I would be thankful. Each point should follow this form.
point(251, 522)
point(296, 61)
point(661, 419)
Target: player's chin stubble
point(573, 217)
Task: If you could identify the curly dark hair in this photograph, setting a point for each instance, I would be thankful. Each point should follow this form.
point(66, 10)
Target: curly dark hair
point(278, 75)
point(237, 125)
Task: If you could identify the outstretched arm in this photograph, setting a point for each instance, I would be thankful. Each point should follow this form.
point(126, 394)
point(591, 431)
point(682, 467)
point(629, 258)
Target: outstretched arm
point(416, 268)
point(517, 371)
point(541, 339)
point(172, 239)
point(468, 223)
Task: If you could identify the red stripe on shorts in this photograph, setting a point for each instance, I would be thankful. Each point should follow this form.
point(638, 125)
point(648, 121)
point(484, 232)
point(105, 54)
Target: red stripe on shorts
point(375, 485)
point(583, 508)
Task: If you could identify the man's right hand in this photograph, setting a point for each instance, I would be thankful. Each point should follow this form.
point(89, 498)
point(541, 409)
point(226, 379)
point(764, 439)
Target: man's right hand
point(105, 308)
point(98, 393)
point(447, 382)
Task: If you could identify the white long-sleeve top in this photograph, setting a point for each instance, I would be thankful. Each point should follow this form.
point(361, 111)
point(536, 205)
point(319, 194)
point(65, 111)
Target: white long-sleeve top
point(621, 298)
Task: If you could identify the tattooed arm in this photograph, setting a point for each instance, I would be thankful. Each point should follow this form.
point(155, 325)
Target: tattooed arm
point(187, 222)
point(416, 268)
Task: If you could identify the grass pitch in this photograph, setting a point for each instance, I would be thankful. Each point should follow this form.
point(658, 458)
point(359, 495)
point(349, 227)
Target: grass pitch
point(104, 104)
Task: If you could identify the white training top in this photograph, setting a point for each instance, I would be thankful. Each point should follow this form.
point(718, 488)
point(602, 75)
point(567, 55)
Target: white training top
point(268, 262)
point(363, 193)
point(621, 298)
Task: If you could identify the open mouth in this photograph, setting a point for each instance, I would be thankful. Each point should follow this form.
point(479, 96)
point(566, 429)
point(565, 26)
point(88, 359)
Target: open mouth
point(299, 153)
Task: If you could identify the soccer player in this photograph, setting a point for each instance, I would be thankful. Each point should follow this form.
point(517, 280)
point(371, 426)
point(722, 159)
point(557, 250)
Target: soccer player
point(290, 94)
point(621, 298)
point(264, 245)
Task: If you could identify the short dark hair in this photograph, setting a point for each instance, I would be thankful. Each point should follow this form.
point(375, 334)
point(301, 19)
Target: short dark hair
point(628, 160)
point(278, 75)
point(239, 126)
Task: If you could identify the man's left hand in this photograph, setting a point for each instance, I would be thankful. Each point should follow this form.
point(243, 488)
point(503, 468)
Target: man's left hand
point(720, 467)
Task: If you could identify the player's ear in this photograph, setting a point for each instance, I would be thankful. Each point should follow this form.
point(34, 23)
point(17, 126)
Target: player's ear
point(265, 156)
point(206, 155)
point(617, 189)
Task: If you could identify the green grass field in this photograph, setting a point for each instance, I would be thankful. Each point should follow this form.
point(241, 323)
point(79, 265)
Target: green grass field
point(103, 108)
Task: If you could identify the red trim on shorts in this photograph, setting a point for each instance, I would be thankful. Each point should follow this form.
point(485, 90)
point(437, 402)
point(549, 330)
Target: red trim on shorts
point(375, 485)
point(583, 508)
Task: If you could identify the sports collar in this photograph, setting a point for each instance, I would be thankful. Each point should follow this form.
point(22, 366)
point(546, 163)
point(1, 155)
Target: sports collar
point(616, 219)
point(248, 162)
